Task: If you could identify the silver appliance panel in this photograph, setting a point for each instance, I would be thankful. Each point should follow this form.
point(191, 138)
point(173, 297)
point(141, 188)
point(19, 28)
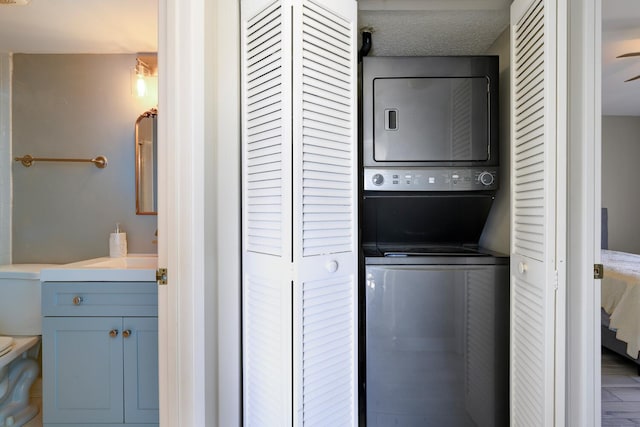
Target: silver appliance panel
point(431, 179)
point(430, 111)
point(437, 342)
point(434, 119)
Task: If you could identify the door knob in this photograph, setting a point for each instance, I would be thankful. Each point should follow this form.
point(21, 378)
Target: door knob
point(126, 333)
point(77, 300)
point(331, 266)
point(113, 333)
point(522, 267)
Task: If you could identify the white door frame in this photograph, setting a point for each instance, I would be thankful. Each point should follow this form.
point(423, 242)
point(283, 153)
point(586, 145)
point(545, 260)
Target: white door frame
point(583, 209)
point(199, 212)
point(180, 212)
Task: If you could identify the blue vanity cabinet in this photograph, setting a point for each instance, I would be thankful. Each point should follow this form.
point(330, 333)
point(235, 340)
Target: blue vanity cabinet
point(100, 354)
point(141, 370)
point(80, 360)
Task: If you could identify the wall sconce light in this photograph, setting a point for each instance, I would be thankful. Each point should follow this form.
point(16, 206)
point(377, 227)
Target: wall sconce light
point(146, 67)
point(142, 71)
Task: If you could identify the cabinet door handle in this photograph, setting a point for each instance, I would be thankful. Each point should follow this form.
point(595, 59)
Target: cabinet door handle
point(77, 300)
point(113, 333)
point(126, 333)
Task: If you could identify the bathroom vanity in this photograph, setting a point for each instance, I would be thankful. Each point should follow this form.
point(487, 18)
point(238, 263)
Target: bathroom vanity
point(100, 345)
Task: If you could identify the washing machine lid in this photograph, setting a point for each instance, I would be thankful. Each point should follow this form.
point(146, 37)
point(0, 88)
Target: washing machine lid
point(429, 250)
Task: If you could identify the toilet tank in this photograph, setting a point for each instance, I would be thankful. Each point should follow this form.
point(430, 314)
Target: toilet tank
point(20, 312)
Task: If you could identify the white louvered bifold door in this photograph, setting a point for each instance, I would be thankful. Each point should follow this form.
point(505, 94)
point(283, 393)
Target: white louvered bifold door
point(325, 218)
point(299, 213)
point(266, 213)
point(536, 213)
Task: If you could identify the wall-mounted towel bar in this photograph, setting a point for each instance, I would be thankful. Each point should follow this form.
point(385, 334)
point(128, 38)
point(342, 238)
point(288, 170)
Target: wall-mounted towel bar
point(100, 161)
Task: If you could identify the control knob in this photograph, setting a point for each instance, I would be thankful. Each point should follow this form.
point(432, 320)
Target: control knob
point(485, 178)
point(377, 179)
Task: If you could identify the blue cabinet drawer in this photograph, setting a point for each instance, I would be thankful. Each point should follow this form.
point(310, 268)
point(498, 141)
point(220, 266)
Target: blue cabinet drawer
point(92, 299)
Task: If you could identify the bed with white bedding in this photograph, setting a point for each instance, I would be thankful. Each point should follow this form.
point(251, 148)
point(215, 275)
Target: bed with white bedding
point(621, 303)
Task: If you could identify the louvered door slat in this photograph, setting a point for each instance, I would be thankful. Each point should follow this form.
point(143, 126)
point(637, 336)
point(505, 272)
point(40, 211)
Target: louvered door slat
point(534, 98)
point(336, 45)
point(264, 46)
point(315, 69)
point(320, 185)
point(321, 218)
point(532, 16)
point(324, 121)
point(316, 156)
point(270, 93)
point(335, 111)
point(327, 128)
point(334, 26)
point(330, 105)
point(328, 192)
point(332, 96)
point(265, 56)
point(263, 149)
point(319, 136)
point(263, 109)
point(315, 146)
point(322, 53)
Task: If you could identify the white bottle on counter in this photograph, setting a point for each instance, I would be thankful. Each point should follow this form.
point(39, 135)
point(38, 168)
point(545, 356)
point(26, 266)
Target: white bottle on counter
point(118, 243)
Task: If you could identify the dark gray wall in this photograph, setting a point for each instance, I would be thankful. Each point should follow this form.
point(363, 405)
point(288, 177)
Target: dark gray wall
point(77, 106)
point(620, 195)
point(497, 231)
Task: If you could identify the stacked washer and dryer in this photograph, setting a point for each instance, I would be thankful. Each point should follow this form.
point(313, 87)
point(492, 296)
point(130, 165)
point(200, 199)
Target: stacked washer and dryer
point(435, 303)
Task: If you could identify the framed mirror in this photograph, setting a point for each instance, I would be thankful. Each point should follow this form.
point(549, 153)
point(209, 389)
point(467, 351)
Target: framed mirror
point(146, 163)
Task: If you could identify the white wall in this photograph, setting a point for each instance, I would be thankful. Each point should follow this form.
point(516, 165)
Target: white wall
point(496, 232)
point(621, 180)
point(223, 145)
point(5, 158)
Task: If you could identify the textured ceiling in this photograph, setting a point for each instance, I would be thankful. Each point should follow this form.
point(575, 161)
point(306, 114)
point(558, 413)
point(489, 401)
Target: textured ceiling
point(436, 32)
point(433, 27)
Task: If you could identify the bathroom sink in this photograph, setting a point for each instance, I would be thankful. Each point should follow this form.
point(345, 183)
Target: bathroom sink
point(145, 262)
point(132, 268)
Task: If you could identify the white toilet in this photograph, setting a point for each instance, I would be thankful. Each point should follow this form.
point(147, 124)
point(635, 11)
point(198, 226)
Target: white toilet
point(20, 330)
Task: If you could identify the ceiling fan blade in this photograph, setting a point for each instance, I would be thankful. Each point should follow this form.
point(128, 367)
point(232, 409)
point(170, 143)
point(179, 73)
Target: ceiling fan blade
point(633, 78)
point(628, 55)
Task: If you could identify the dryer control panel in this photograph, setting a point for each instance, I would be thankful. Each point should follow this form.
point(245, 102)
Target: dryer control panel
point(430, 179)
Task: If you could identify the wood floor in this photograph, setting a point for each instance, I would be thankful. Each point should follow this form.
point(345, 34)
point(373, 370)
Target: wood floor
point(620, 391)
point(36, 398)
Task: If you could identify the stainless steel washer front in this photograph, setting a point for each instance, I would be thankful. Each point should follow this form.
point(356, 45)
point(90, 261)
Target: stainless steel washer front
point(437, 341)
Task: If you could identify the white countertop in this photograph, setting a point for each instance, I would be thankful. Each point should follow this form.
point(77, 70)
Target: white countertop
point(132, 268)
